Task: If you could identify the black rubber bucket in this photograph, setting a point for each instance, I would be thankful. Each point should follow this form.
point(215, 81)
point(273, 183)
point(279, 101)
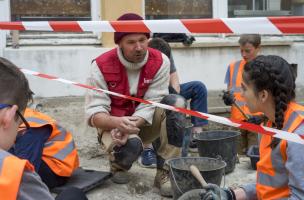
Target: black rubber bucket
point(181, 178)
point(219, 143)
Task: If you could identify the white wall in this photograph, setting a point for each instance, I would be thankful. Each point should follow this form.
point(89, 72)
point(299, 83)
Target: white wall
point(4, 16)
point(205, 64)
point(219, 8)
point(210, 64)
point(72, 63)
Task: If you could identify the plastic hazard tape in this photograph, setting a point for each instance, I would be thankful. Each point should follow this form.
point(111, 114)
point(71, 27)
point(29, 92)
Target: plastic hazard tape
point(222, 120)
point(262, 25)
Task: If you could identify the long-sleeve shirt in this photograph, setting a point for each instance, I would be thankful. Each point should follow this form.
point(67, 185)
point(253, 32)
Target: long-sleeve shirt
point(100, 102)
point(295, 168)
point(32, 188)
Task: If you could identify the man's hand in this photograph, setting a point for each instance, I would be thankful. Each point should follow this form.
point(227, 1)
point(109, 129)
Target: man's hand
point(138, 120)
point(119, 138)
point(126, 125)
point(228, 98)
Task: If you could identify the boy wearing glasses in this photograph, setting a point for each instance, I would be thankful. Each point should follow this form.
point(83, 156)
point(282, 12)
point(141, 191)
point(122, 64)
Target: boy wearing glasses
point(18, 179)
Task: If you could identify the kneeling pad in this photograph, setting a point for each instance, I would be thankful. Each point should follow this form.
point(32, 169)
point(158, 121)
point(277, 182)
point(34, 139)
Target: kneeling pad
point(85, 180)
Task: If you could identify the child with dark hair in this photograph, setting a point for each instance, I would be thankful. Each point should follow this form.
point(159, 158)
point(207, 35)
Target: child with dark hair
point(268, 86)
point(195, 91)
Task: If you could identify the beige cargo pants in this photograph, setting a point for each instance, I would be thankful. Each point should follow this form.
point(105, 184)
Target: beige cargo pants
point(147, 135)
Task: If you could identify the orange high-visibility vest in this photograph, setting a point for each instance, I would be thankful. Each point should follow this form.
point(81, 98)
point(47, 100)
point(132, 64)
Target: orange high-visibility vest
point(59, 151)
point(11, 171)
point(236, 71)
point(272, 176)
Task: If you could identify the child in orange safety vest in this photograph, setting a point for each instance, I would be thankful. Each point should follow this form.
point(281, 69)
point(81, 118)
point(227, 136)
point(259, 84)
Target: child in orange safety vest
point(49, 147)
point(249, 48)
point(268, 86)
point(18, 180)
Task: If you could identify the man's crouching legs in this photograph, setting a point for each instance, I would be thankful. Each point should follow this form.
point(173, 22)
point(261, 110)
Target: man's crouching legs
point(121, 158)
point(169, 144)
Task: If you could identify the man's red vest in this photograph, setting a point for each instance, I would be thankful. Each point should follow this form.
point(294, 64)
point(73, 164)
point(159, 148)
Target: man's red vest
point(117, 79)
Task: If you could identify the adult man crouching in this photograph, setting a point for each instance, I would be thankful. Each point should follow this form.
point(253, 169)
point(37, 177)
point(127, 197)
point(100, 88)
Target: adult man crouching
point(123, 125)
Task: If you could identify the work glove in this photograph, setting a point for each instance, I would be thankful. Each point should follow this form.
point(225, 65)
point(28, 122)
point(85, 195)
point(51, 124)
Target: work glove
point(259, 119)
point(214, 192)
point(228, 98)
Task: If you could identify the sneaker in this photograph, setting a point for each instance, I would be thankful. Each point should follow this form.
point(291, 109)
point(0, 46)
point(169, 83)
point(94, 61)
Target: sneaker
point(147, 158)
point(162, 182)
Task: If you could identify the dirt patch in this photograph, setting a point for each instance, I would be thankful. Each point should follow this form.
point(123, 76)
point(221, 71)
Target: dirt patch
point(69, 112)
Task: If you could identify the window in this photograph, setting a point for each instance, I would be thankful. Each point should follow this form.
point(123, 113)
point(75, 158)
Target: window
point(178, 9)
point(255, 8)
point(53, 10)
point(44, 10)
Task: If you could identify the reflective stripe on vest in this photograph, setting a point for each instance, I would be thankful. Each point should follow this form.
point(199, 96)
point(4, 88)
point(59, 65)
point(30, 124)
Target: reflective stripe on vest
point(292, 118)
point(234, 86)
point(11, 172)
point(272, 175)
point(60, 137)
point(236, 70)
point(63, 153)
point(280, 177)
point(59, 151)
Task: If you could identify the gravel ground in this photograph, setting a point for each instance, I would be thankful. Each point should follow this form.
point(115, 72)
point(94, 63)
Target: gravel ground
point(69, 112)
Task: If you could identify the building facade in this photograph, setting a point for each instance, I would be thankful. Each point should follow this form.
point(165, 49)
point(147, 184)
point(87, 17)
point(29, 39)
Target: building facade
point(68, 55)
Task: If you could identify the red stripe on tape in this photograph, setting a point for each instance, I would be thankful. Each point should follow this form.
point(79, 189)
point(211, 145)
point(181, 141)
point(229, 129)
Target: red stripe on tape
point(85, 86)
point(138, 100)
point(288, 24)
point(72, 26)
point(46, 76)
point(206, 26)
point(241, 124)
point(130, 26)
point(256, 128)
point(12, 26)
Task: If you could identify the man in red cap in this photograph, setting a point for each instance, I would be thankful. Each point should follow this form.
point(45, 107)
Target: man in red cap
point(123, 126)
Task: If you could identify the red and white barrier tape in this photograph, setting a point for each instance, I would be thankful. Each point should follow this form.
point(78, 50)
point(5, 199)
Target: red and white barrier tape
point(262, 25)
point(222, 120)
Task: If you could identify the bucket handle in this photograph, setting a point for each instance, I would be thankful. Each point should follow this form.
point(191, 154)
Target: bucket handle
point(173, 176)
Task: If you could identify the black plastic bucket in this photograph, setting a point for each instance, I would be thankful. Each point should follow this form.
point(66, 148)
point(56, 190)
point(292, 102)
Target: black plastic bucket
point(219, 143)
point(181, 178)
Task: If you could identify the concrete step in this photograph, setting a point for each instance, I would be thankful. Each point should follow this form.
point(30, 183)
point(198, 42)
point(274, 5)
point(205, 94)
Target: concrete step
point(44, 39)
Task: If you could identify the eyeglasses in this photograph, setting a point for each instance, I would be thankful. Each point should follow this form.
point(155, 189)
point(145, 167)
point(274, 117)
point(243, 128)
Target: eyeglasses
point(27, 126)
